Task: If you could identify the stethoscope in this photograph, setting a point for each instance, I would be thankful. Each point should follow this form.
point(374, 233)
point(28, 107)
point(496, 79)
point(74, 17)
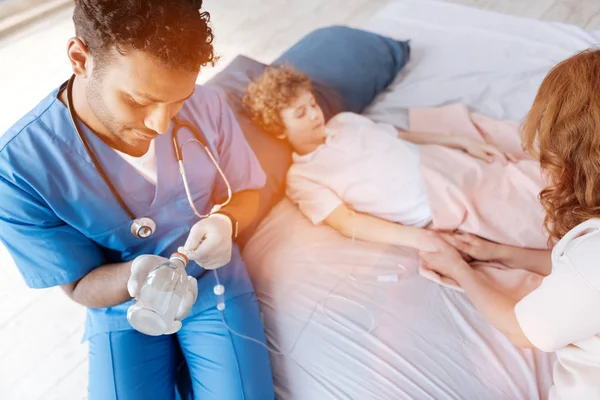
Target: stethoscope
point(144, 227)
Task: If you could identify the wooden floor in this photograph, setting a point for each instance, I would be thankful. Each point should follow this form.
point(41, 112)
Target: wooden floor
point(40, 330)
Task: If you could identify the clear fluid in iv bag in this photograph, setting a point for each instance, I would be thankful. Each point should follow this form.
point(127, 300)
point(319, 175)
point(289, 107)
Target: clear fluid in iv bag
point(159, 292)
point(160, 297)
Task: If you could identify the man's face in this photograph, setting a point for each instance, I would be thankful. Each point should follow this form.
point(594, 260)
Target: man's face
point(135, 96)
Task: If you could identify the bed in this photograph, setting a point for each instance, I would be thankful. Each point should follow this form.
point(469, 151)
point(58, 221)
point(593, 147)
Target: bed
point(354, 319)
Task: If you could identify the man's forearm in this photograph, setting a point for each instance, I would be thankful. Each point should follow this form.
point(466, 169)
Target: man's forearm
point(105, 286)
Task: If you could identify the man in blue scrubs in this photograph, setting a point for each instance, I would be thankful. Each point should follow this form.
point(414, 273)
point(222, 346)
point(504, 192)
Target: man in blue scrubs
point(135, 64)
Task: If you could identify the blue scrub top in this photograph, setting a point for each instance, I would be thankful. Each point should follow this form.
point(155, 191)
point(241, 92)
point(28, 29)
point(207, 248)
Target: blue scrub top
point(59, 220)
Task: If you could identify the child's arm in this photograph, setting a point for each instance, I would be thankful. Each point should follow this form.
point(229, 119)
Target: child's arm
point(372, 229)
point(475, 148)
point(320, 203)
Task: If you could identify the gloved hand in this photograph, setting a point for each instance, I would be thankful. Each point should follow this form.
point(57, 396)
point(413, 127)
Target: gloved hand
point(141, 267)
point(209, 242)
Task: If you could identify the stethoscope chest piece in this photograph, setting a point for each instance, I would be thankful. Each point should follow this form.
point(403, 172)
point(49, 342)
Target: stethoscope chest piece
point(143, 228)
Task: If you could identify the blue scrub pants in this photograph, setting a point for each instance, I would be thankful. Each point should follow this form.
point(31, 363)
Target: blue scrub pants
point(128, 365)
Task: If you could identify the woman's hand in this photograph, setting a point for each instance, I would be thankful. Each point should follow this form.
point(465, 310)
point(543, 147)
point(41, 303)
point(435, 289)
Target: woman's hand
point(482, 150)
point(449, 238)
point(474, 246)
point(442, 259)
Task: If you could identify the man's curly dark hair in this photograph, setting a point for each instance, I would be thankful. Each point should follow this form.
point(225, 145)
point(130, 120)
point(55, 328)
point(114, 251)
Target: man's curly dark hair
point(174, 31)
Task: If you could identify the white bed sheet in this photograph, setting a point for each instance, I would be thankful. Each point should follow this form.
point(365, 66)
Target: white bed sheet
point(428, 342)
point(491, 62)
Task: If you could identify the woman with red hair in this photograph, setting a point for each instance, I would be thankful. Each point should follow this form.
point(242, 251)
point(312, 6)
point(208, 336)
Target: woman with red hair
point(560, 312)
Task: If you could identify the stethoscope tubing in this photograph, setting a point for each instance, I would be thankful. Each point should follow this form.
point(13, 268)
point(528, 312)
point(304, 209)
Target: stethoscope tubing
point(198, 137)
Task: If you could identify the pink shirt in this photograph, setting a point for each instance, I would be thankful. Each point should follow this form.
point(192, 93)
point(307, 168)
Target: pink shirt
point(364, 165)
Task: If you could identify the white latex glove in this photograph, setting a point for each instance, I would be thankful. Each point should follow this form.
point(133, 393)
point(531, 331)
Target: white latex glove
point(141, 267)
point(209, 242)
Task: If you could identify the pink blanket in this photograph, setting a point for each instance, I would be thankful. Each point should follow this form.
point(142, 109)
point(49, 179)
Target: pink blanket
point(495, 201)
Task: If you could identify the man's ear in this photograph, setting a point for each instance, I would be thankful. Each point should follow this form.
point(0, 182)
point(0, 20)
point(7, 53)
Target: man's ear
point(79, 57)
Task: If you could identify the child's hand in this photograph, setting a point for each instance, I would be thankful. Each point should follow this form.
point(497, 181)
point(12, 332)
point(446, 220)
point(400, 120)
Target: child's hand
point(426, 240)
point(445, 260)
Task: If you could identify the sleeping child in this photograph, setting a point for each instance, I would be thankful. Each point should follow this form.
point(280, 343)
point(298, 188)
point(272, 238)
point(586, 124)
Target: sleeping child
point(362, 178)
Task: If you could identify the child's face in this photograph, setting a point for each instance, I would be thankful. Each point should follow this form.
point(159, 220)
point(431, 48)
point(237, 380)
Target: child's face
point(304, 122)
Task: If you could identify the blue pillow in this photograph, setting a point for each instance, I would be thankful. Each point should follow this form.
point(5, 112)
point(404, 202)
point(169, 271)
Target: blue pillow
point(348, 66)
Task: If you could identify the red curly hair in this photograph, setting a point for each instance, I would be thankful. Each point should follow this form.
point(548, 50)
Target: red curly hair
point(276, 89)
point(562, 130)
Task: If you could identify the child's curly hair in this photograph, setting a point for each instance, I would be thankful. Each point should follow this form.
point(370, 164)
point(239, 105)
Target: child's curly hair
point(563, 130)
point(274, 91)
